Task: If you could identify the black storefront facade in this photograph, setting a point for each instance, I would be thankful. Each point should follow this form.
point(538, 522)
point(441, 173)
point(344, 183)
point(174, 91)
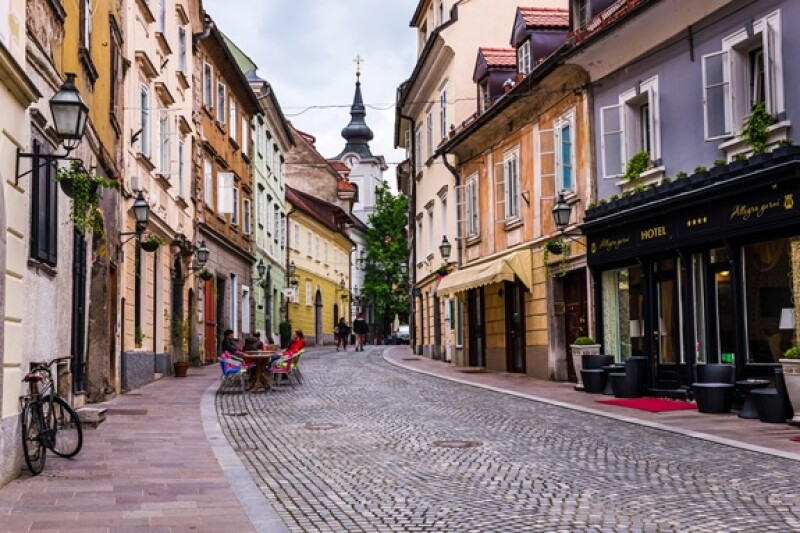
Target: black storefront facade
point(705, 269)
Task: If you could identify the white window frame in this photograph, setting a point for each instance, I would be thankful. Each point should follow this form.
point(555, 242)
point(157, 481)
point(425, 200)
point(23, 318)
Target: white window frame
point(511, 186)
point(182, 168)
point(232, 114)
point(297, 236)
point(262, 206)
point(208, 86)
point(565, 121)
point(245, 135)
point(182, 50)
point(164, 143)
point(276, 221)
point(472, 206)
point(246, 217)
point(418, 148)
point(208, 182)
point(87, 24)
point(524, 63)
point(308, 293)
point(309, 243)
point(235, 211)
point(429, 131)
point(766, 31)
point(221, 108)
point(443, 112)
point(144, 119)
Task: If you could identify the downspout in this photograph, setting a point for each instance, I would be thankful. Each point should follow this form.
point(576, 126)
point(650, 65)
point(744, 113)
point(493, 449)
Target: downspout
point(412, 231)
point(288, 260)
point(457, 178)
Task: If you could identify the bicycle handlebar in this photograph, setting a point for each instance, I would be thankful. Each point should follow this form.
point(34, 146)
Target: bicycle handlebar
point(46, 366)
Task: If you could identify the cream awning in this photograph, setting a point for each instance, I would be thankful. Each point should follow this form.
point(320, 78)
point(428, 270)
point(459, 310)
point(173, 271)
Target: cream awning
point(519, 264)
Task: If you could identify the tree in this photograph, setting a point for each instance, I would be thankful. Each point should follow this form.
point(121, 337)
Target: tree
point(385, 284)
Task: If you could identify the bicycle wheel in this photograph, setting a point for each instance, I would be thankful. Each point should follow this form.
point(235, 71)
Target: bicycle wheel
point(34, 450)
point(67, 432)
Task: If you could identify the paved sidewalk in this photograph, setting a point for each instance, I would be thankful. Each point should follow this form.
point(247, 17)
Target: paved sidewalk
point(149, 467)
point(773, 439)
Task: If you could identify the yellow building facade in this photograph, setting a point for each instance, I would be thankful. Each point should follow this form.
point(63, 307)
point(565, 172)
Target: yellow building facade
point(319, 250)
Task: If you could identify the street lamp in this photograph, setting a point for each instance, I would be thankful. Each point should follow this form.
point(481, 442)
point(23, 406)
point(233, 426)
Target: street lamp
point(292, 268)
point(202, 254)
point(561, 213)
point(69, 114)
point(445, 248)
point(261, 268)
point(69, 118)
point(141, 212)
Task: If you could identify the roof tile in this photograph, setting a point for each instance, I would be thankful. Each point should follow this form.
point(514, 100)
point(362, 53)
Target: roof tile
point(499, 57)
point(544, 17)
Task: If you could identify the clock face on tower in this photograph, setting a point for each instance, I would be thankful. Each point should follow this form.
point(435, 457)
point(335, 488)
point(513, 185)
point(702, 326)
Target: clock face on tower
point(352, 161)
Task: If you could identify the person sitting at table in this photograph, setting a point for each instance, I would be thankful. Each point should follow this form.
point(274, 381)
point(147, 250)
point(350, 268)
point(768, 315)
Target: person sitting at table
point(297, 343)
point(229, 343)
point(253, 343)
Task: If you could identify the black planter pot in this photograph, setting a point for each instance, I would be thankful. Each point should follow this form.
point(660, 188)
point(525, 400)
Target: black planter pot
point(718, 171)
point(736, 165)
point(699, 179)
point(206, 276)
point(554, 248)
point(149, 246)
point(783, 151)
point(66, 187)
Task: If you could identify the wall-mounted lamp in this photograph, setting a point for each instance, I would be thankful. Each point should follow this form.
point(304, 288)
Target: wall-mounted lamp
point(69, 120)
point(562, 213)
point(141, 212)
point(262, 269)
point(445, 248)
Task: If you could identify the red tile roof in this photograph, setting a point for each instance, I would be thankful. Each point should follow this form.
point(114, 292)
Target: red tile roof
point(499, 57)
point(338, 166)
point(544, 17)
point(332, 216)
point(345, 185)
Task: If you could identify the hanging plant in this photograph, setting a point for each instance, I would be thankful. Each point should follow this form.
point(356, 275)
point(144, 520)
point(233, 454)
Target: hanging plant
point(755, 131)
point(206, 275)
point(151, 243)
point(84, 189)
point(443, 271)
point(638, 163)
point(556, 246)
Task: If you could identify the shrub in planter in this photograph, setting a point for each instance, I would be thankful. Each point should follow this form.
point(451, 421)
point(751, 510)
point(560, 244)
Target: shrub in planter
point(206, 275)
point(582, 346)
point(151, 243)
point(791, 375)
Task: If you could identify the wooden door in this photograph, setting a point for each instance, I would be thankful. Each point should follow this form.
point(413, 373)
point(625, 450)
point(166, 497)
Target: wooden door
point(575, 314)
point(210, 317)
point(515, 327)
point(475, 326)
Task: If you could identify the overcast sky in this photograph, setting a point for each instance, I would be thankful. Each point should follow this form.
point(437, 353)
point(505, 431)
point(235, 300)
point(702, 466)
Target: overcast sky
point(305, 49)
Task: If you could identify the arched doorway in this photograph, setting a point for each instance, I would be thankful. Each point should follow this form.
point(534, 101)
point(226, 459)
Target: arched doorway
point(335, 314)
point(318, 318)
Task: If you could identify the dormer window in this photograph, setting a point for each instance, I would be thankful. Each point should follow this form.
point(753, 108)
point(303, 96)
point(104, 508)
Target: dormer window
point(580, 13)
point(485, 97)
point(524, 58)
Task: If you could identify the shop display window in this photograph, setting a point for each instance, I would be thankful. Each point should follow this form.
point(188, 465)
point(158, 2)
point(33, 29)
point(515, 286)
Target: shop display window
point(623, 313)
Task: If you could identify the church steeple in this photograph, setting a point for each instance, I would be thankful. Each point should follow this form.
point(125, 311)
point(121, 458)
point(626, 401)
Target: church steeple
point(357, 133)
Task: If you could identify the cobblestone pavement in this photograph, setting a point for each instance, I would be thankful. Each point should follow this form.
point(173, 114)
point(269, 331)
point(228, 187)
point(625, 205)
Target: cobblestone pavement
point(355, 449)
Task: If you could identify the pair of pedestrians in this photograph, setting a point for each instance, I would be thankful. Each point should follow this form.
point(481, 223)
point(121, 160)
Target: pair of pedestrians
point(343, 331)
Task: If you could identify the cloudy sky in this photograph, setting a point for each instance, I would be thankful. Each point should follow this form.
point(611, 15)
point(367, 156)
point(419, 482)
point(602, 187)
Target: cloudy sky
point(305, 49)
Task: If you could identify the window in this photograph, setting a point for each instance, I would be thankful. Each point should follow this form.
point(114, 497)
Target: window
point(276, 222)
point(297, 236)
point(245, 135)
point(234, 305)
point(164, 143)
point(429, 123)
point(443, 113)
point(227, 195)
point(308, 293)
point(283, 231)
point(208, 98)
point(565, 153)
point(484, 95)
point(431, 237)
point(144, 119)
point(268, 211)
point(316, 248)
point(232, 113)
point(259, 137)
point(221, 103)
point(261, 208)
point(511, 185)
point(270, 155)
point(44, 210)
point(182, 50)
point(442, 11)
point(630, 127)
point(208, 183)
point(443, 212)
point(524, 58)
point(86, 26)
point(162, 16)
point(181, 169)
point(469, 210)
point(309, 244)
point(418, 239)
point(623, 312)
point(326, 252)
point(581, 13)
point(748, 70)
point(116, 68)
point(235, 212)
point(246, 213)
point(418, 149)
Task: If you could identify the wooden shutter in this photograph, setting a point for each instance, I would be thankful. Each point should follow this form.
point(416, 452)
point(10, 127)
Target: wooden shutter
point(716, 95)
point(500, 192)
point(52, 213)
point(547, 157)
point(461, 212)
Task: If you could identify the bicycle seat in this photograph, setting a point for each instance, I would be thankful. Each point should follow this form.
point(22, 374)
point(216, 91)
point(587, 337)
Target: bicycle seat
point(33, 377)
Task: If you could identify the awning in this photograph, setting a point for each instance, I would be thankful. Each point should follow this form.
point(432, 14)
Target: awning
point(505, 268)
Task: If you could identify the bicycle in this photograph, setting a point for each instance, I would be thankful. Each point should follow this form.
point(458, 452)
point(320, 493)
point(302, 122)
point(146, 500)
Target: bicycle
point(48, 420)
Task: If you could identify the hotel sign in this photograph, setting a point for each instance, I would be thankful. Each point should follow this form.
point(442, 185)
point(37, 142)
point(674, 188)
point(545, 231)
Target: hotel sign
point(721, 217)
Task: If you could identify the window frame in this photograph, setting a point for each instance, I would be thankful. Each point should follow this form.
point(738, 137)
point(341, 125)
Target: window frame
point(472, 206)
point(44, 209)
point(511, 186)
point(235, 213)
point(563, 122)
point(247, 210)
point(443, 112)
point(208, 86)
point(524, 63)
point(208, 182)
point(221, 108)
point(144, 120)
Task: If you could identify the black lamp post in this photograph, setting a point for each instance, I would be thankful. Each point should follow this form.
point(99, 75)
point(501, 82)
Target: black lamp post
point(141, 211)
point(261, 268)
point(445, 248)
point(70, 114)
point(202, 254)
point(562, 212)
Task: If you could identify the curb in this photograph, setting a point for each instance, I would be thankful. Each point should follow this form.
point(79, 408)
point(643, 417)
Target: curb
point(622, 418)
point(260, 513)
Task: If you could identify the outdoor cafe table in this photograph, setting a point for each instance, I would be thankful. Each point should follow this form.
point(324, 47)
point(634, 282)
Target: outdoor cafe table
point(260, 358)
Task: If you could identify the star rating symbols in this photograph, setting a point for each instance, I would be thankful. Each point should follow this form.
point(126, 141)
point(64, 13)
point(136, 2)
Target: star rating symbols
point(694, 222)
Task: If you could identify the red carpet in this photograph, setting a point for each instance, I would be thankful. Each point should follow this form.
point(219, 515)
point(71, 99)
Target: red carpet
point(653, 405)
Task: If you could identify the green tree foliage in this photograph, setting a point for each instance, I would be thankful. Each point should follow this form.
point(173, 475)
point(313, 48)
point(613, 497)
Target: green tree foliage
point(385, 286)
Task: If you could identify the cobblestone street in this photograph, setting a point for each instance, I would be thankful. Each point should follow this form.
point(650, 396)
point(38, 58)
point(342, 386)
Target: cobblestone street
point(366, 446)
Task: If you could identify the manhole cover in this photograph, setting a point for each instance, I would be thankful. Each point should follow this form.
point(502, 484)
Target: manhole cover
point(411, 359)
point(130, 412)
point(321, 426)
point(456, 444)
point(239, 413)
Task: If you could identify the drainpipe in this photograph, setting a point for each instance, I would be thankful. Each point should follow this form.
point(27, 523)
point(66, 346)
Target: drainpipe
point(449, 322)
point(288, 259)
point(412, 231)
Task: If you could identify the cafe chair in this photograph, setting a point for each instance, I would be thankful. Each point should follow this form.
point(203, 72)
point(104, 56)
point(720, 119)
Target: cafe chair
point(714, 389)
point(296, 366)
point(631, 383)
point(283, 367)
point(773, 403)
point(233, 369)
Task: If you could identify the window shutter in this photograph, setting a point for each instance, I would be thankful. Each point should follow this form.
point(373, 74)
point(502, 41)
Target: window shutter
point(611, 144)
point(716, 95)
point(52, 214)
point(225, 192)
point(461, 212)
point(770, 66)
point(501, 193)
point(547, 156)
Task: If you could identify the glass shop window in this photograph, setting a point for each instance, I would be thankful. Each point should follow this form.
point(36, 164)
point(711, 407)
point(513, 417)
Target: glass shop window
point(623, 313)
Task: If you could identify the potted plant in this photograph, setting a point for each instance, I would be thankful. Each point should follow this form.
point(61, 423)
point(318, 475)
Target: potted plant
point(791, 375)
point(206, 275)
point(443, 270)
point(151, 243)
point(138, 338)
point(582, 346)
point(84, 189)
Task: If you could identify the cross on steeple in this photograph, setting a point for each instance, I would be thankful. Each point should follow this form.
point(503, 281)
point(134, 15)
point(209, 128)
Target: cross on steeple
point(358, 61)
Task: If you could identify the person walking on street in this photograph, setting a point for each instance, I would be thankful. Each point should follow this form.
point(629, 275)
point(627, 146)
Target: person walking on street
point(342, 333)
point(360, 328)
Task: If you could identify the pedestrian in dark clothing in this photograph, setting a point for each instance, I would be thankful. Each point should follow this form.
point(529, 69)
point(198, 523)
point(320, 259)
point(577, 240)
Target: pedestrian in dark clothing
point(360, 328)
point(342, 333)
point(229, 343)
